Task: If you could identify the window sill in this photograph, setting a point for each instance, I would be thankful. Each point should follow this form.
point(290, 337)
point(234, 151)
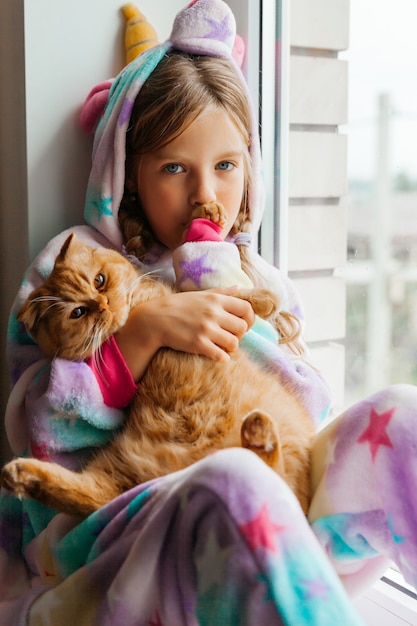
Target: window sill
point(390, 602)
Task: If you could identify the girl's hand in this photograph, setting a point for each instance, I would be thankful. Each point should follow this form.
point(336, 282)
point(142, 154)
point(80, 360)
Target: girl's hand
point(209, 323)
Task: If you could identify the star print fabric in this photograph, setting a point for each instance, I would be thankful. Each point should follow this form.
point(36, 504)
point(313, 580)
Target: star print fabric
point(207, 261)
point(222, 542)
point(364, 477)
point(255, 544)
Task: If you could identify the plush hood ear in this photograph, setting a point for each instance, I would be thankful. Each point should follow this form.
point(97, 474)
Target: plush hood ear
point(204, 27)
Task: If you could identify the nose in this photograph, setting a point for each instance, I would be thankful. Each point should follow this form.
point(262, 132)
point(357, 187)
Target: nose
point(102, 303)
point(203, 189)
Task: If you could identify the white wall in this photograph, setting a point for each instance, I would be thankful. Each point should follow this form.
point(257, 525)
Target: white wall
point(69, 48)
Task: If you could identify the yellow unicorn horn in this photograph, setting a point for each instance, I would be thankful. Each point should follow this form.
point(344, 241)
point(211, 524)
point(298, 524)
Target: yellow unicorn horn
point(139, 34)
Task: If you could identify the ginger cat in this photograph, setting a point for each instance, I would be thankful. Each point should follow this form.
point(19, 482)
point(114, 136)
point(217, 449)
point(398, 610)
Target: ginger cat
point(186, 406)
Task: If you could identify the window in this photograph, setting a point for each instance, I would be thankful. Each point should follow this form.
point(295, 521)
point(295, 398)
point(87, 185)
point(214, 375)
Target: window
point(319, 232)
point(381, 342)
point(381, 337)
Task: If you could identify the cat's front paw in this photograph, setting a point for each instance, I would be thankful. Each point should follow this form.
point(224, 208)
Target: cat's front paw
point(19, 477)
point(263, 301)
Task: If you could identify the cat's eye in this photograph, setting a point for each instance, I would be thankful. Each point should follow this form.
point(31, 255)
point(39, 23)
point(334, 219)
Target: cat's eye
point(78, 312)
point(99, 281)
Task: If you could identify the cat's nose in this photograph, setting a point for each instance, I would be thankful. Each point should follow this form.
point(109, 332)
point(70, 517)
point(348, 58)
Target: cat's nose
point(103, 304)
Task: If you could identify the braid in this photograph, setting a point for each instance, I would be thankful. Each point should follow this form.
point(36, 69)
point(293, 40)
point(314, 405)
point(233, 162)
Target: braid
point(136, 231)
point(285, 323)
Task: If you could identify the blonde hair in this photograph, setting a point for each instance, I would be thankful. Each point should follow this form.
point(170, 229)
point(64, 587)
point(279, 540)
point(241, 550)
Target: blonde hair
point(180, 88)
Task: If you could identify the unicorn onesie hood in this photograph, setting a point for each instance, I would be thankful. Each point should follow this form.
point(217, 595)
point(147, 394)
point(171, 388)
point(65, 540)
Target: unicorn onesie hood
point(204, 27)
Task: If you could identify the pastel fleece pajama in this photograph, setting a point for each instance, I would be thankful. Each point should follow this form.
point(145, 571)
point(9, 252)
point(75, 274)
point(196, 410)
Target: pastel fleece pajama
point(223, 541)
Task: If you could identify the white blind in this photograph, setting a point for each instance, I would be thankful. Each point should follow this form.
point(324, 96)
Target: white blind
point(317, 172)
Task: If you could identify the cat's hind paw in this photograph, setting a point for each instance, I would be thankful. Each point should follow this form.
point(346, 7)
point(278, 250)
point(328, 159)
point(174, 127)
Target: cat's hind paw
point(257, 431)
point(258, 434)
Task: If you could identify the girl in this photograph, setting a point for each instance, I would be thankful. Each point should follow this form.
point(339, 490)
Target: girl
point(224, 541)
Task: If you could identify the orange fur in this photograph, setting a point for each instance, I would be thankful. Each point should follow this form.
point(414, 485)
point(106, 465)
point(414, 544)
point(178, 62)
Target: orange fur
point(187, 406)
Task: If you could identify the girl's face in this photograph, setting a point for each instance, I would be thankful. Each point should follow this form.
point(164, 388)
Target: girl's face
point(206, 163)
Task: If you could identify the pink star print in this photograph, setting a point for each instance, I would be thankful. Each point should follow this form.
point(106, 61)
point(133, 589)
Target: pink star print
point(260, 532)
point(376, 433)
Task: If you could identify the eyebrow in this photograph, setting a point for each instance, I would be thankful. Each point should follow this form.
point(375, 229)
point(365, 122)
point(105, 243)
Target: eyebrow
point(162, 156)
point(231, 154)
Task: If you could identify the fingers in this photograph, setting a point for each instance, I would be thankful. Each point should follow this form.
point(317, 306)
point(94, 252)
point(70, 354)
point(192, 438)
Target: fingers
point(243, 310)
point(232, 314)
point(223, 323)
point(238, 309)
point(214, 352)
point(209, 323)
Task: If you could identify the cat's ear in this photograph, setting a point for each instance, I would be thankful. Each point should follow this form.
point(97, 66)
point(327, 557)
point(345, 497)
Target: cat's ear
point(28, 315)
point(63, 252)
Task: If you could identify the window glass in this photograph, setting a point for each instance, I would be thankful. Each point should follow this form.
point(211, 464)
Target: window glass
point(381, 341)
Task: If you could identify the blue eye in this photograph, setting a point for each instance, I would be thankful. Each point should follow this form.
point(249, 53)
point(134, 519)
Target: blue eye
point(174, 168)
point(225, 166)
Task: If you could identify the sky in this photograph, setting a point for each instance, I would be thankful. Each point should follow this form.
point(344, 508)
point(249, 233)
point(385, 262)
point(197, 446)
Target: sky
point(382, 58)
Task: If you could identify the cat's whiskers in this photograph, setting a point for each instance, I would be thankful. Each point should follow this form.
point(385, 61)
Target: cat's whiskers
point(95, 346)
point(136, 282)
point(147, 274)
point(57, 302)
point(99, 362)
point(46, 298)
point(92, 341)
